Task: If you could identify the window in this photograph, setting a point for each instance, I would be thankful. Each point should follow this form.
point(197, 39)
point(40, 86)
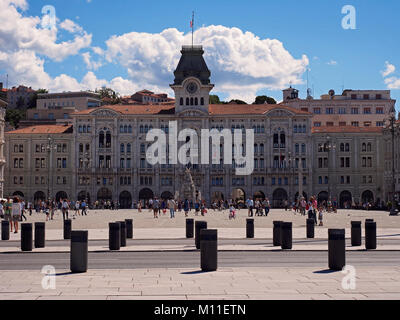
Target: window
point(122, 148)
point(342, 124)
point(380, 124)
point(354, 110)
point(317, 110)
point(367, 110)
point(353, 97)
point(379, 110)
point(330, 111)
point(329, 124)
point(378, 97)
point(342, 110)
point(317, 124)
point(355, 124)
point(366, 96)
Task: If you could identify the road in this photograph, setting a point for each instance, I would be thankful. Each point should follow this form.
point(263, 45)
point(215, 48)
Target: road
point(143, 260)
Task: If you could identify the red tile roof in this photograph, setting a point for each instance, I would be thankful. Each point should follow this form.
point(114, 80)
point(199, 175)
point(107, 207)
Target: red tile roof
point(48, 129)
point(346, 129)
point(214, 109)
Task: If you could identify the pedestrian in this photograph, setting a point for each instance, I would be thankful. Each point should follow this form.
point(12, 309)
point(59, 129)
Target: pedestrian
point(84, 208)
point(156, 208)
point(23, 211)
point(321, 216)
point(16, 213)
point(77, 205)
point(171, 206)
point(46, 210)
point(65, 209)
point(186, 207)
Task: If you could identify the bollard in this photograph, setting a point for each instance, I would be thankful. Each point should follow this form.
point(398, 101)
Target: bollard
point(286, 235)
point(79, 251)
point(250, 229)
point(336, 248)
point(67, 229)
point(277, 233)
point(199, 225)
point(189, 228)
point(5, 230)
point(370, 235)
point(369, 220)
point(129, 228)
point(26, 237)
point(356, 233)
point(123, 233)
point(310, 228)
point(209, 250)
point(40, 237)
point(114, 236)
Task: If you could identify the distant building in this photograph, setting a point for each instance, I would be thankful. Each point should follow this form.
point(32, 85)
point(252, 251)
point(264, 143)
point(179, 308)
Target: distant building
point(357, 108)
point(149, 97)
point(3, 105)
point(19, 97)
point(3, 92)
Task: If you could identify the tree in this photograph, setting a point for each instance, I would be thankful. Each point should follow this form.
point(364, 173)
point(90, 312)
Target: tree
point(108, 93)
point(237, 101)
point(214, 99)
point(13, 116)
point(264, 99)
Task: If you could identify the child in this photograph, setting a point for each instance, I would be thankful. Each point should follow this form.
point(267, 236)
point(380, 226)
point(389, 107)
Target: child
point(321, 216)
point(232, 212)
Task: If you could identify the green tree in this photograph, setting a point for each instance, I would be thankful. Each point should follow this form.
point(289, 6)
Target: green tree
point(109, 93)
point(214, 99)
point(264, 99)
point(237, 101)
point(13, 116)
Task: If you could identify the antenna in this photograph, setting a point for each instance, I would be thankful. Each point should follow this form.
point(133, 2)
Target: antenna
point(7, 82)
point(192, 26)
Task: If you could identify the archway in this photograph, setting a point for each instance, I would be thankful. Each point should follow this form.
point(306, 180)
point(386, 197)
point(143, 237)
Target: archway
point(278, 197)
point(146, 194)
point(39, 196)
point(304, 195)
point(125, 200)
point(323, 196)
point(18, 194)
point(61, 195)
point(217, 196)
point(104, 194)
point(345, 200)
point(166, 195)
point(238, 195)
point(84, 196)
point(259, 195)
point(367, 196)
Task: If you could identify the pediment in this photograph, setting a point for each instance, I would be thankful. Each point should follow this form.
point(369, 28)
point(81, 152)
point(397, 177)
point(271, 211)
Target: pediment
point(105, 113)
point(192, 113)
point(279, 113)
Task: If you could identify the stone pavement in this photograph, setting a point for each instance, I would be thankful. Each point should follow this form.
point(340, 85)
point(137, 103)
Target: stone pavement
point(188, 284)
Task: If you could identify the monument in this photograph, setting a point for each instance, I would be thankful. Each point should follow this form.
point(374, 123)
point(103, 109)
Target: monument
point(188, 188)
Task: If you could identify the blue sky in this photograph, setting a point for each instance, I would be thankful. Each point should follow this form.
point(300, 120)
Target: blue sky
point(312, 28)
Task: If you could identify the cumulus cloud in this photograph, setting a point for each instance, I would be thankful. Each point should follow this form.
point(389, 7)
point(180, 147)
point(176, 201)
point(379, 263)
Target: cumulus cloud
point(389, 69)
point(90, 64)
point(241, 63)
point(332, 63)
point(71, 26)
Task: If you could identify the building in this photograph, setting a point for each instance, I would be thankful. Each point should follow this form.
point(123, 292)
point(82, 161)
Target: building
point(391, 158)
point(3, 92)
point(20, 97)
point(149, 97)
point(3, 106)
point(358, 108)
point(40, 162)
point(57, 107)
point(106, 158)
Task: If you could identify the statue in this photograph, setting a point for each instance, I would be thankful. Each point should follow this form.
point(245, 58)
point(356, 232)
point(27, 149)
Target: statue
point(188, 188)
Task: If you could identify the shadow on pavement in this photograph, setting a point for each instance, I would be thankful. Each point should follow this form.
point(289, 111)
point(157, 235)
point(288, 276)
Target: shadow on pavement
point(196, 272)
point(326, 271)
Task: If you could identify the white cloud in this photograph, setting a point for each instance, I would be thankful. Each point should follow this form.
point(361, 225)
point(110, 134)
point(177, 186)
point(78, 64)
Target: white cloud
point(392, 83)
point(90, 64)
point(332, 63)
point(389, 69)
point(240, 62)
point(71, 26)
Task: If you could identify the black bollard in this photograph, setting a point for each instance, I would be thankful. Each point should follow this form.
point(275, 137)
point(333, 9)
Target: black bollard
point(209, 250)
point(114, 235)
point(5, 230)
point(199, 225)
point(123, 233)
point(336, 249)
point(40, 231)
point(129, 228)
point(369, 220)
point(79, 251)
point(67, 229)
point(370, 235)
point(286, 235)
point(277, 233)
point(189, 228)
point(356, 233)
point(26, 237)
point(310, 228)
point(250, 229)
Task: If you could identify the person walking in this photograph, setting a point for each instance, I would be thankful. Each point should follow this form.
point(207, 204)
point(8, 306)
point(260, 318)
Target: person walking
point(77, 206)
point(84, 208)
point(156, 208)
point(171, 206)
point(65, 209)
point(16, 213)
point(23, 211)
point(7, 212)
point(186, 207)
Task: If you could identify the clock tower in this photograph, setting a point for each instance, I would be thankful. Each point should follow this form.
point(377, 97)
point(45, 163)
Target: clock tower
point(192, 81)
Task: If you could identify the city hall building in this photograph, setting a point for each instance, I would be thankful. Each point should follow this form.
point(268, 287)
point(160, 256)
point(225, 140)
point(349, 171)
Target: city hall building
point(102, 154)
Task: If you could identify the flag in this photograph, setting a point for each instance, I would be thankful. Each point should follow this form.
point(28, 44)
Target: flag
point(191, 23)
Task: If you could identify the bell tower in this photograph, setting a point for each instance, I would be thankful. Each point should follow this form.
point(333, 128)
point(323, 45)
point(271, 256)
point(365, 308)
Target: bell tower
point(192, 81)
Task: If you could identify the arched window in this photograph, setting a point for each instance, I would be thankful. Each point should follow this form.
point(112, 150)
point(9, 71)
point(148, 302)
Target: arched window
point(262, 148)
point(141, 129)
point(108, 139)
point(181, 102)
point(146, 128)
point(129, 129)
point(304, 129)
point(80, 129)
point(81, 148)
point(364, 147)
point(101, 139)
point(196, 101)
point(187, 101)
point(283, 140)
point(256, 148)
point(262, 129)
point(125, 129)
point(342, 147)
point(191, 101)
point(320, 180)
point(303, 148)
point(369, 147)
point(121, 129)
point(276, 140)
point(297, 148)
point(347, 147)
point(142, 148)
point(128, 148)
point(89, 129)
point(84, 129)
point(122, 148)
point(202, 101)
point(295, 128)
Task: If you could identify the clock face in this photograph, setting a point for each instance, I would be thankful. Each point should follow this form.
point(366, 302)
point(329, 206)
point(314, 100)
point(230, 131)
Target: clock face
point(191, 87)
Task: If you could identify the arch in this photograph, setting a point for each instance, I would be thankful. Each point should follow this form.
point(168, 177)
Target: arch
point(217, 196)
point(278, 197)
point(18, 194)
point(196, 101)
point(61, 195)
point(181, 101)
point(345, 199)
point(104, 194)
point(259, 195)
point(367, 196)
point(202, 101)
point(101, 139)
point(125, 200)
point(238, 195)
point(39, 195)
point(84, 196)
point(146, 194)
point(166, 195)
point(323, 196)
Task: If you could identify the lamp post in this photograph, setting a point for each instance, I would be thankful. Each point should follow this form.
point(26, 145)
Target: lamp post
point(329, 146)
point(393, 210)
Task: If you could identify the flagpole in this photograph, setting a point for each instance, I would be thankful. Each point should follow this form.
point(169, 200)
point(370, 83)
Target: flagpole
point(192, 29)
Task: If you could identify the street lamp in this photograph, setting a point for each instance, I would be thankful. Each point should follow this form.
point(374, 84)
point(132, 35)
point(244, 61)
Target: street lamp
point(393, 210)
point(330, 146)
